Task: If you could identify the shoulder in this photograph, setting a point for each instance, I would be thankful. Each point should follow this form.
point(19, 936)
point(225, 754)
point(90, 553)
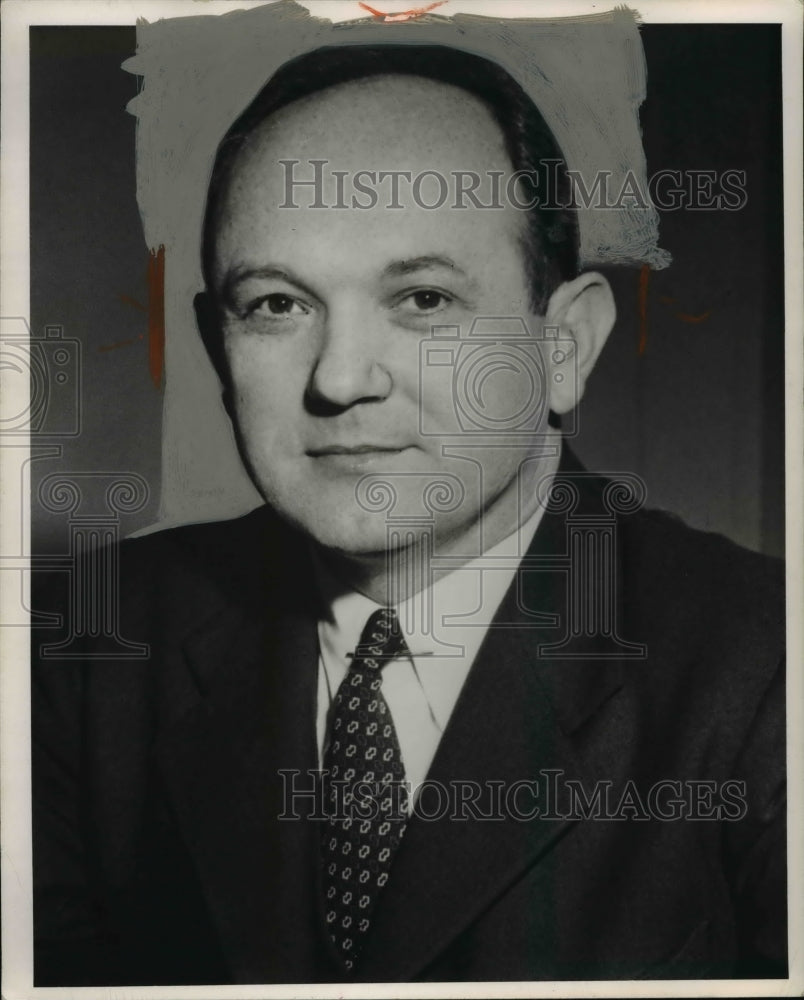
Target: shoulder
point(256, 542)
point(678, 580)
point(673, 570)
point(243, 561)
point(166, 581)
point(670, 564)
point(711, 615)
point(193, 544)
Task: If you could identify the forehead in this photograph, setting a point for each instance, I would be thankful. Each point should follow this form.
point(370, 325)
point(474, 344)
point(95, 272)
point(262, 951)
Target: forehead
point(388, 123)
point(382, 122)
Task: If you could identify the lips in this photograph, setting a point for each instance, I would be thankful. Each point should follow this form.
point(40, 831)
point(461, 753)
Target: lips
point(356, 449)
point(358, 459)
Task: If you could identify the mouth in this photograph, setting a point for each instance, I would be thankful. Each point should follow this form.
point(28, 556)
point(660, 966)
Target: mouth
point(356, 449)
point(357, 458)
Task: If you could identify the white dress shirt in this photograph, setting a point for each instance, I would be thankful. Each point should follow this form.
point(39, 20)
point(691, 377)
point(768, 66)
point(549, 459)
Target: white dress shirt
point(421, 689)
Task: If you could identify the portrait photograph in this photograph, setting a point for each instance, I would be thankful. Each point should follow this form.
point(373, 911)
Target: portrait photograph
point(401, 541)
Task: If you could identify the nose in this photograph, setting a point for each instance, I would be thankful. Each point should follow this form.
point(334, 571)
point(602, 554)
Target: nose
point(347, 369)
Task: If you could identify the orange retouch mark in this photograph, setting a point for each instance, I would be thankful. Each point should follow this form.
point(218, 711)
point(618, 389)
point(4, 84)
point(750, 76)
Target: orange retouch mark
point(689, 318)
point(404, 15)
point(128, 300)
point(156, 314)
point(685, 317)
point(119, 343)
point(644, 279)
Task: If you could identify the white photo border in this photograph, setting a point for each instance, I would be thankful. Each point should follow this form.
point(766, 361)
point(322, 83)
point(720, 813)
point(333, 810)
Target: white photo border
point(17, 909)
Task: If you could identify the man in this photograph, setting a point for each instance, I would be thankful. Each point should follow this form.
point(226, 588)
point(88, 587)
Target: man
point(377, 724)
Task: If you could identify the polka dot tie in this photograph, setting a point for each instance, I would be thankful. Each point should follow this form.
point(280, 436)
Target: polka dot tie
point(366, 796)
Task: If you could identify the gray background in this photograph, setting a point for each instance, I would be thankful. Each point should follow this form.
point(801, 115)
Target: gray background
point(700, 414)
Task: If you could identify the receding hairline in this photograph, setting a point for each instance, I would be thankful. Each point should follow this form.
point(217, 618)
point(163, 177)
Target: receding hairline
point(273, 118)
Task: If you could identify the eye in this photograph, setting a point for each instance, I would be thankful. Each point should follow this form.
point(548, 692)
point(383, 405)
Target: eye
point(426, 300)
point(279, 304)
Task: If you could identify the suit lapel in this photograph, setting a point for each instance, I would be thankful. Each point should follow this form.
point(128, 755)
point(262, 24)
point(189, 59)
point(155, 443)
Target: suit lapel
point(247, 676)
point(513, 723)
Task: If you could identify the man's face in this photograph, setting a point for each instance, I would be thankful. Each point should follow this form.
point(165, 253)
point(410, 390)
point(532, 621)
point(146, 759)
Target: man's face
point(323, 311)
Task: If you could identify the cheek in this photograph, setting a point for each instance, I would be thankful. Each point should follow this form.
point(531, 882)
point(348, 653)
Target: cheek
point(267, 387)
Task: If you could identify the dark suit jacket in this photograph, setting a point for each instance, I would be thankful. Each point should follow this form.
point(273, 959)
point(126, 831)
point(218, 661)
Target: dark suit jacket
point(159, 857)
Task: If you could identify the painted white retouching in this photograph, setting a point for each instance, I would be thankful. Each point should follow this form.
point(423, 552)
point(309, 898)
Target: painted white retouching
point(586, 74)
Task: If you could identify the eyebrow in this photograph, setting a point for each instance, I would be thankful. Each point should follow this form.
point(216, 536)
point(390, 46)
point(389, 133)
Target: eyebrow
point(238, 275)
point(399, 268)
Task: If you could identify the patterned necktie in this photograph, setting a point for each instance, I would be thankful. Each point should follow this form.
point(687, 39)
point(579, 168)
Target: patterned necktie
point(365, 822)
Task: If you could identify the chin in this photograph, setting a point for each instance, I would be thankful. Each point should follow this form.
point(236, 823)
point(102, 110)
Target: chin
point(349, 533)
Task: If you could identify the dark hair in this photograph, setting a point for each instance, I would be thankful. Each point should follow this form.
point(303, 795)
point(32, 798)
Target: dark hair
point(551, 234)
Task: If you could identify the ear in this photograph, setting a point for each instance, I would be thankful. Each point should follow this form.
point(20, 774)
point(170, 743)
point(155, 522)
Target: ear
point(584, 311)
point(211, 334)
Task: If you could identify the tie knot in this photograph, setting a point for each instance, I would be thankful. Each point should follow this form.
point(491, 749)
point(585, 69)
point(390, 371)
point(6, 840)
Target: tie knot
point(382, 639)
